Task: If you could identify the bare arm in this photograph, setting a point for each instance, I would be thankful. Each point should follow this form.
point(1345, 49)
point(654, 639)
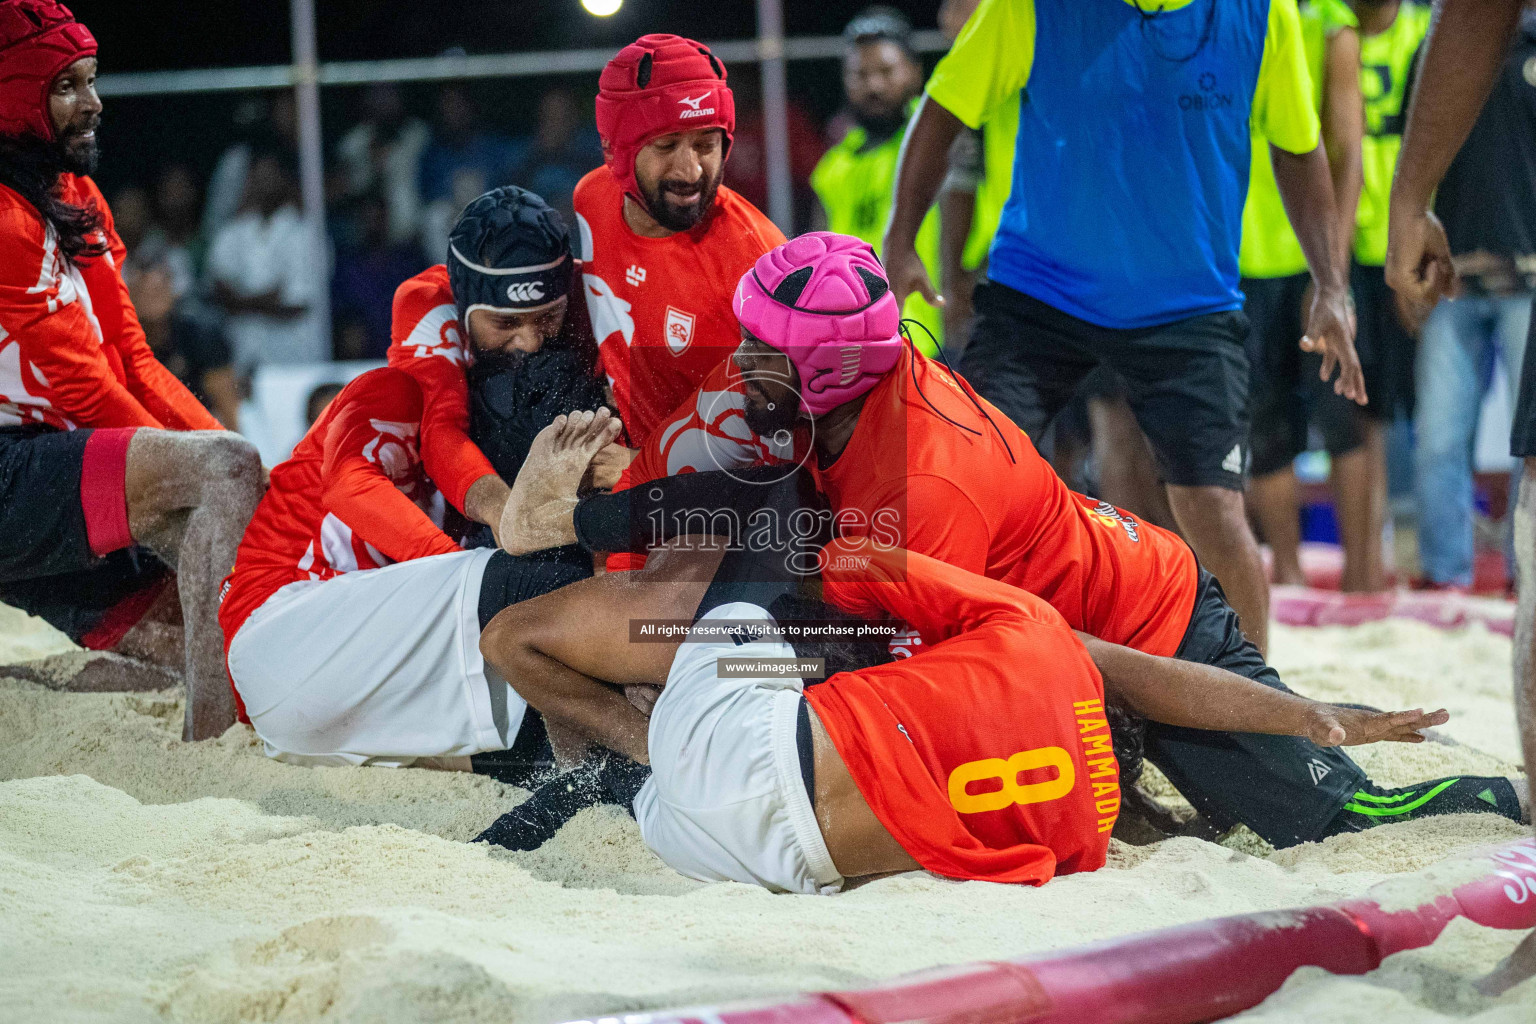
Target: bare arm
point(1521, 964)
point(1199, 696)
point(1343, 127)
point(1306, 186)
point(920, 171)
point(223, 393)
point(485, 501)
point(1461, 60)
point(568, 652)
point(270, 303)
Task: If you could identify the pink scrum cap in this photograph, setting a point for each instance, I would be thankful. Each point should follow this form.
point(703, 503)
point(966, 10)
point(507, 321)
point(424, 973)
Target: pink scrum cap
point(823, 300)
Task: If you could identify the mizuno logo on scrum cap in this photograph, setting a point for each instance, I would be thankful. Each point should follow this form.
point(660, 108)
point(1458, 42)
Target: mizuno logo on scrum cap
point(694, 109)
point(525, 291)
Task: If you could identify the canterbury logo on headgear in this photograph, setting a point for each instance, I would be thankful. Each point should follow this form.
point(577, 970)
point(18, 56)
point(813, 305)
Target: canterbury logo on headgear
point(513, 289)
point(523, 292)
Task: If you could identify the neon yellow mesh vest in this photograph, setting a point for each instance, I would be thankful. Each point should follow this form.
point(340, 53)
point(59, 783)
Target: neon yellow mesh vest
point(1386, 74)
point(1270, 247)
point(855, 189)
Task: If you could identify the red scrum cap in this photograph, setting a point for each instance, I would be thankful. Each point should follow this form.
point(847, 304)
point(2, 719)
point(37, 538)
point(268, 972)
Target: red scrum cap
point(38, 39)
point(655, 86)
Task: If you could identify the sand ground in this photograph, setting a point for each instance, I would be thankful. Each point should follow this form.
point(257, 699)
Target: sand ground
point(143, 879)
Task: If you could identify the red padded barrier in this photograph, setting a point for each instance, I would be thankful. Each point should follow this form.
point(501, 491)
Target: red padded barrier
point(1183, 975)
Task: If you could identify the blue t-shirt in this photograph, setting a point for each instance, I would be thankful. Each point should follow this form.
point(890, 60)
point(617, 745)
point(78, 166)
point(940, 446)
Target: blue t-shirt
point(1133, 150)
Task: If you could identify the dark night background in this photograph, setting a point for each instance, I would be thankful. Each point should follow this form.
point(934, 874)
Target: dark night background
point(140, 133)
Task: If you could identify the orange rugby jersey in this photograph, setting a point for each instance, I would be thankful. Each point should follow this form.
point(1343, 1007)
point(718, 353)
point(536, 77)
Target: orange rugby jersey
point(661, 307)
point(72, 353)
point(925, 471)
point(986, 755)
point(352, 496)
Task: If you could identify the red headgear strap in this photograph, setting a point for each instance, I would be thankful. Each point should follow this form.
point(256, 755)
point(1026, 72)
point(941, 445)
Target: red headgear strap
point(658, 85)
point(38, 39)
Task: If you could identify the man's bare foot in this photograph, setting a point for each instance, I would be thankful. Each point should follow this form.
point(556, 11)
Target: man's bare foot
point(538, 512)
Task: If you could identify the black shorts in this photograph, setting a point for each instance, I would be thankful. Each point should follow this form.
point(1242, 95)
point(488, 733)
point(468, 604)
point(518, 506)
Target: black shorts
point(1286, 394)
point(48, 567)
point(1285, 788)
point(1386, 349)
point(1187, 381)
point(1522, 432)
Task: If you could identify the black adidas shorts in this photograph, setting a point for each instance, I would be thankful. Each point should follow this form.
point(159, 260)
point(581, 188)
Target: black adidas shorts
point(1187, 381)
point(1285, 788)
point(1287, 395)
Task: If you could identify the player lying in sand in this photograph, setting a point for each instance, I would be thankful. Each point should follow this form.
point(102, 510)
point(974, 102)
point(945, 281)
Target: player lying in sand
point(986, 755)
point(352, 620)
point(890, 437)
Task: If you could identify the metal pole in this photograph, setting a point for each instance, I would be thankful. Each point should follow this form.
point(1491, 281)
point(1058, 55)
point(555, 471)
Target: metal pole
point(306, 88)
point(770, 38)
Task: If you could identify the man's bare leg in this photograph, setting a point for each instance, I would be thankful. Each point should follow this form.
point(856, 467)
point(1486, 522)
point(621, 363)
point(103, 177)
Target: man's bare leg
point(1128, 475)
point(1275, 501)
point(1359, 481)
point(569, 652)
point(538, 512)
point(1213, 521)
point(190, 496)
point(158, 638)
point(1521, 964)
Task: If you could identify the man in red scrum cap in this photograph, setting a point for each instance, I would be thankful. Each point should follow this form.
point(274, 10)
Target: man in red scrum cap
point(664, 243)
point(106, 460)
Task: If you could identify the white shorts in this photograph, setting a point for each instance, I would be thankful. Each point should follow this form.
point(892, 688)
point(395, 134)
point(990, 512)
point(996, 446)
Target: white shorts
point(726, 800)
point(380, 666)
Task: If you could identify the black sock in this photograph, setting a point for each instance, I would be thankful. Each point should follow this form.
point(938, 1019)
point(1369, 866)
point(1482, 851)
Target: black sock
point(535, 821)
point(528, 759)
point(610, 778)
point(1372, 805)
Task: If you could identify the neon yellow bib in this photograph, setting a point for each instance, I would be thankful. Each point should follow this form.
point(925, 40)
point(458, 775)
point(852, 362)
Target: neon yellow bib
point(1270, 247)
point(1386, 63)
point(855, 186)
point(999, 140)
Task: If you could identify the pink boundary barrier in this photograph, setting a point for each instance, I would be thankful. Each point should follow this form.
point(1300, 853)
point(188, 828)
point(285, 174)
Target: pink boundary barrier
point(1307, 606)
point(1195, 972)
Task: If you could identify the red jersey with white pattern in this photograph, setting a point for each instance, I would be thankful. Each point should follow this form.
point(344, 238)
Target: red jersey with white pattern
point(354, 495)
point(72, 353)
point(427, 343)
point(707, 432)
point(661, 307)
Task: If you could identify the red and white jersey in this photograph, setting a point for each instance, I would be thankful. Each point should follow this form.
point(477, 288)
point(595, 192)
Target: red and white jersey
point(661, 307)
point(353, 496)
point(72, 353)
point(427, 343)
point(707, 432)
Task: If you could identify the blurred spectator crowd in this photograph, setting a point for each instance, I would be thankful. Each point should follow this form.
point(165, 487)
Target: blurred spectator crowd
point(227, 278)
